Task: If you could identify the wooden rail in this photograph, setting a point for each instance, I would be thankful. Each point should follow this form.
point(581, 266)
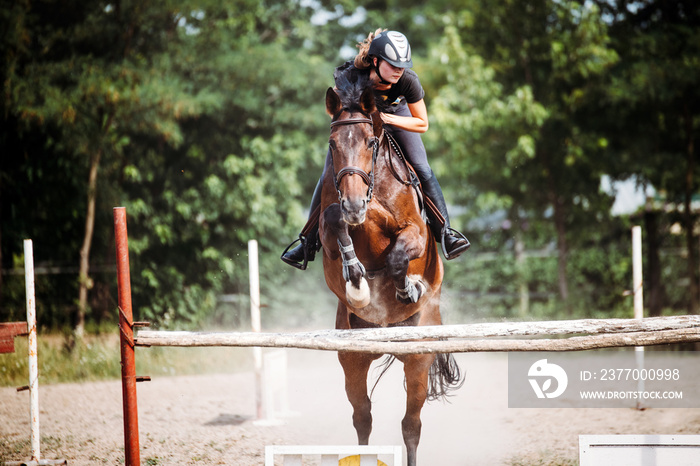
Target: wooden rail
point(590, 334)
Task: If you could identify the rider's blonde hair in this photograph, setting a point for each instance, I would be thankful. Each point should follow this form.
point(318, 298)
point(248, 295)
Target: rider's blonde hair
point(362, 59)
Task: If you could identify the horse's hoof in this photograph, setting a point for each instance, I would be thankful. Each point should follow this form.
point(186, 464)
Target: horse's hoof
point(357, 297)
point(412, 293)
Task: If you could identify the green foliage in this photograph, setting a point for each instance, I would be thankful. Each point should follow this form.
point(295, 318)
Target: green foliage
point(201, 147)
point(482, 136)
point(491, 281)
point(91, 360)
point(208, 124)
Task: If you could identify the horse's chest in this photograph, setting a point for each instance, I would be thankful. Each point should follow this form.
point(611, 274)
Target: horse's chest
point(383, 309)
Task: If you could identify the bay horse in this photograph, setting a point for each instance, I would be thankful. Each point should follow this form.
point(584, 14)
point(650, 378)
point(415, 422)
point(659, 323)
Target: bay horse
point(379, 256)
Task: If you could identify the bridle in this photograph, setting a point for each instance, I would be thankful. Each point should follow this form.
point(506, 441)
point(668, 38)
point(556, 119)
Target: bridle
point(368, 178)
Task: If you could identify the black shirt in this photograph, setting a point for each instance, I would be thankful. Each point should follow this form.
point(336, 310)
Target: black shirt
point(407, 89)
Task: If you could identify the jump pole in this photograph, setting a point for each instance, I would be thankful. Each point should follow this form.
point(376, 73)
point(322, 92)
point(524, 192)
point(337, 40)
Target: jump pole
point(466, 338)
point(126, 338)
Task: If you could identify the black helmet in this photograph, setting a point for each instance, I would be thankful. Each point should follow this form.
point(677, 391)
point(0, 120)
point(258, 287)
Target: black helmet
point(393, 47)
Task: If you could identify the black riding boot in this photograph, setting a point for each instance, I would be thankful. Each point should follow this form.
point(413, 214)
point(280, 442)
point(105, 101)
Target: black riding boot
point(309, 243)
point(453, 242)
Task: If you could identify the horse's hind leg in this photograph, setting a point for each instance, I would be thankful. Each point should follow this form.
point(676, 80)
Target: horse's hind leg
point(416, 369)
point(356, 366)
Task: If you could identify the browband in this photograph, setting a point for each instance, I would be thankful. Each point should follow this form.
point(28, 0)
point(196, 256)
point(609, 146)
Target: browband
point(351, 121)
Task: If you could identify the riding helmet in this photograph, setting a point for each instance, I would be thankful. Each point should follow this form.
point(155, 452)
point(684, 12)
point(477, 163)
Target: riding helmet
point(393, 47)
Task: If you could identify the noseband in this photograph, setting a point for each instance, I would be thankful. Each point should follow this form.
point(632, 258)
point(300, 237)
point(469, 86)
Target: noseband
point(368, 178)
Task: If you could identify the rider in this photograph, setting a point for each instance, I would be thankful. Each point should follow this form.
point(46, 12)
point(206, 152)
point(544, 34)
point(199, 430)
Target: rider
point(385, 56)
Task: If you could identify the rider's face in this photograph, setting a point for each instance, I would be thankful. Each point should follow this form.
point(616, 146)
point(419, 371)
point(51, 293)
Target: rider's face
point(389, 72)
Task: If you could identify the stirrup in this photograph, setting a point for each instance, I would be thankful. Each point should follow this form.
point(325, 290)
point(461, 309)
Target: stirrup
point(457, 252)
point(304, 263)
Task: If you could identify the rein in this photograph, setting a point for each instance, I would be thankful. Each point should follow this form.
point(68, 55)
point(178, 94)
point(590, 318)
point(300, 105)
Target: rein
point(368, 178)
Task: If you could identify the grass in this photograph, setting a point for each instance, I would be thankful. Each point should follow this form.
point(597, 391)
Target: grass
point(97, 357)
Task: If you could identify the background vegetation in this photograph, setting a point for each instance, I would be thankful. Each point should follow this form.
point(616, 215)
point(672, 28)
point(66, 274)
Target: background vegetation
point(206, 121)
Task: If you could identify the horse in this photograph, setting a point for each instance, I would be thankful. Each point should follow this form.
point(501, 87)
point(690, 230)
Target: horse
point(379, 257)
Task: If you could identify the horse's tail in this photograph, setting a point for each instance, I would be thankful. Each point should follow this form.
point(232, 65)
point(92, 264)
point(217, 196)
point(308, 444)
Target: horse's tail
point(444, 376)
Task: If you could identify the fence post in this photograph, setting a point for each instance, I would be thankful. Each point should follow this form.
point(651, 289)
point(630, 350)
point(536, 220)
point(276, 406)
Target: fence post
point(637, 277)
point(254, 278)
point(126, 337)
point(638, 293)
point(32, 349)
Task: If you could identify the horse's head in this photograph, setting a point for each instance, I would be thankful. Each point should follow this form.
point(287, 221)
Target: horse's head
point(353, 144)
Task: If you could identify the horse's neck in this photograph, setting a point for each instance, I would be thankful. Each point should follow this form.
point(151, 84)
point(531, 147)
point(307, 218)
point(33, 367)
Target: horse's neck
point(399, 192)
point(396, 162)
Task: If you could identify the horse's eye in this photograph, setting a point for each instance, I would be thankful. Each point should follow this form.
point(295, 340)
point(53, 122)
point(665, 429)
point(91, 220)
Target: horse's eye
point(332, 144)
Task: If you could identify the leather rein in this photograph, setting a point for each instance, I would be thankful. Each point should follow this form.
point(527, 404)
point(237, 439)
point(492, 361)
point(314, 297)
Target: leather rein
point(368, 178)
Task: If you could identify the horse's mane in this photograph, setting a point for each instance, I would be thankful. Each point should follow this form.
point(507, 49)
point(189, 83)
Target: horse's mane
point(350, 88)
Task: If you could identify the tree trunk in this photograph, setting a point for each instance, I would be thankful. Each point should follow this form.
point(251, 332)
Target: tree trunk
point(0, 239)
point(84, 277)
point(560, 226)
point(688, 214)
point(563, 250)
point(656, 293)
point(524, 307)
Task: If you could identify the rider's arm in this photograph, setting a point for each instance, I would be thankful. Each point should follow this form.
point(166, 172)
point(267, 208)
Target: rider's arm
point(416, 123)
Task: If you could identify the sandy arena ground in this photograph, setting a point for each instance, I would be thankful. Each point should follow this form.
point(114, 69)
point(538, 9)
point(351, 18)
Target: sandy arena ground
point(209, 419)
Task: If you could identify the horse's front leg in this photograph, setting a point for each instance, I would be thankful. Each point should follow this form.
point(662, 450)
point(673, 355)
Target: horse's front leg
point(356, 286)
point(408, 246)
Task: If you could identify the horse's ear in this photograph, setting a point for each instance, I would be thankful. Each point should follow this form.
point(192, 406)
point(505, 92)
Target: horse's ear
point(367, 101)
point(333, 105)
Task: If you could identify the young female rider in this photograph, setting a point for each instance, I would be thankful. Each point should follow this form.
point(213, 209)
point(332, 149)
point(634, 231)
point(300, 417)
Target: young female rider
point(385, 56)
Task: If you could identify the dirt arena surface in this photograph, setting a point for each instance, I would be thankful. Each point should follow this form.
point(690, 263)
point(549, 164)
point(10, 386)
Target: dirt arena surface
point(208, 419)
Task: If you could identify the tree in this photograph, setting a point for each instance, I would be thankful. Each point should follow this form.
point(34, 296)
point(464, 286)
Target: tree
point(554, 54)
point(195, 110)
point(654, 107)
point(81, 71)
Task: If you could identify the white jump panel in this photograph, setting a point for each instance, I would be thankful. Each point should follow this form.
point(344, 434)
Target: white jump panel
point(332, 454)
point(639, 450)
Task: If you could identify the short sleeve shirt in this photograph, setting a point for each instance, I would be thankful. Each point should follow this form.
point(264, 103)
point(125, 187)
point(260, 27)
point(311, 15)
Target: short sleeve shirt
point(408, 87)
